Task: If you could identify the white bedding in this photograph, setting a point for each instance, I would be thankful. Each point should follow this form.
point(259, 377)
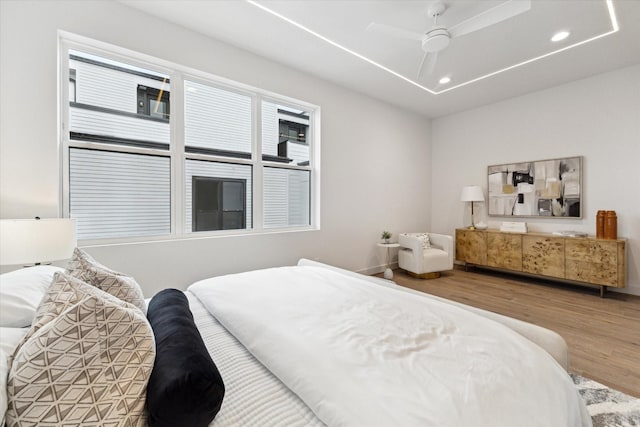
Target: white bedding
point(361, 354)
point(253, 397)
point(9, 340)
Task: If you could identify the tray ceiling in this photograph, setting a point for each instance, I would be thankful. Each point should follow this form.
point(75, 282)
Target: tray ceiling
point(334, 41)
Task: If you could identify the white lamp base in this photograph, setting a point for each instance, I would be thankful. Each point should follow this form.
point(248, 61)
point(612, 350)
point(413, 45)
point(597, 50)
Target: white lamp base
point(388, 274)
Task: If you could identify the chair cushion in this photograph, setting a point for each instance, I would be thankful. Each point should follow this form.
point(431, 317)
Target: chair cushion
point(435, 259)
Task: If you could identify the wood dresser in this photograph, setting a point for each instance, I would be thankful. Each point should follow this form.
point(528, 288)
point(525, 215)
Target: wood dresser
point(584, 260)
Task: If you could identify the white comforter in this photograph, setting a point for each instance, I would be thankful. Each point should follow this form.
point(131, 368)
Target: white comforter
point(361, 354)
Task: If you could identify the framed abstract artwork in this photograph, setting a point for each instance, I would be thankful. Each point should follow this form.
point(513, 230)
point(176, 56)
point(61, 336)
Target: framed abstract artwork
point(542, 188)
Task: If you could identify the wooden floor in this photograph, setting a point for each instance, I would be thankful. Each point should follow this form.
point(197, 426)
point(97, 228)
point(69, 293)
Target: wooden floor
point(603, 335)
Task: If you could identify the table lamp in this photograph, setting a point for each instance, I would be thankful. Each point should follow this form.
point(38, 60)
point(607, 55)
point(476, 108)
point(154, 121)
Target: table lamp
point(35, 241)
point(472, 193)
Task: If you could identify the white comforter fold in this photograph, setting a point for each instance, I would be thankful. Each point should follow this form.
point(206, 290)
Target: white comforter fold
point(361, 354)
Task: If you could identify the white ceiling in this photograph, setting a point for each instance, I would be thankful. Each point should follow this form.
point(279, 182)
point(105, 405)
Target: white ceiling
point(466, 60)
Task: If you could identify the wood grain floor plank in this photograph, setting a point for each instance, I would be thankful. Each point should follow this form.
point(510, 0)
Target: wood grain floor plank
point(603, 335)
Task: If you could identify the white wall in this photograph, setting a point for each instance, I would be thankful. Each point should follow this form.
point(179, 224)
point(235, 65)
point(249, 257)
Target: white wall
point(598, 118)
point(375, 157)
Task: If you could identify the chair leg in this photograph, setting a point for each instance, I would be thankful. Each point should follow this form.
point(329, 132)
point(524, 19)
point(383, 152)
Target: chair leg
point(434, 275)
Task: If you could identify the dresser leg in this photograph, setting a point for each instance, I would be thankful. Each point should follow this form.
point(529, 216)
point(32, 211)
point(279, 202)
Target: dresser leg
point(603, 291)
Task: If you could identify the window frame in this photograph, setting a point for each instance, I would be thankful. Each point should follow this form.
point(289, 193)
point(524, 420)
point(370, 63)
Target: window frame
point(177, 151)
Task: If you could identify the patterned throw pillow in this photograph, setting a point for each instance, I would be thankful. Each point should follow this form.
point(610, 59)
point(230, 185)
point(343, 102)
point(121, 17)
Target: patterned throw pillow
point(124, 287)
point(64, 292)
point(90, 365)
point(424, 238)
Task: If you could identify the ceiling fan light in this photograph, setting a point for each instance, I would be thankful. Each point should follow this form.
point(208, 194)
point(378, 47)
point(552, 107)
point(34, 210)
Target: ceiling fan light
point(560, 35)
point(436, 40)
point(444, 80)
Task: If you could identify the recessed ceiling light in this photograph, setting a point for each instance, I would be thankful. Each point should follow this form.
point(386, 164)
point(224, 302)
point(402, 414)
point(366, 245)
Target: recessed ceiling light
point(560, 35)
point(444, 80)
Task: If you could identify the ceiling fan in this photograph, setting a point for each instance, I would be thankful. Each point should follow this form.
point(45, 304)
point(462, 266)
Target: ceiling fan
point(437, 38)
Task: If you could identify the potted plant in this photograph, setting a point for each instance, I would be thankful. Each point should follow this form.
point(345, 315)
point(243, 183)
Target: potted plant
point(386, 236)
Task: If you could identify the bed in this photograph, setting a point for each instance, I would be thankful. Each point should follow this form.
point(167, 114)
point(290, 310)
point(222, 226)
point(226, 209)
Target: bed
point(312, 345)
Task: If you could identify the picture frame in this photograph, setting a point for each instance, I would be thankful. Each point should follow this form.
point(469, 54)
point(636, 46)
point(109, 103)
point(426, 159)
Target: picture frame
point(550, 188)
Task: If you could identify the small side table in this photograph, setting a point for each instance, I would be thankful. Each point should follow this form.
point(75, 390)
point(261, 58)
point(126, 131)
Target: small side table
point(388, 273)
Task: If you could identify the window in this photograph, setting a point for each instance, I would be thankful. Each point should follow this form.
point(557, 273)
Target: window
point(105, 106)
point(115, 194)
point(218, 204)
point(294, 126)
point(286, 182)
point(218, 128)
point(153, 102)
point(119, 162)
point(220, 172)
point(217, 121)
point(286, 197)
point(138, 165)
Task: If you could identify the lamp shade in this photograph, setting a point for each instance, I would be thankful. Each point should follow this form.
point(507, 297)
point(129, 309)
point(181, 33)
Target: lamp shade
point(29, 241)
point(472, 193)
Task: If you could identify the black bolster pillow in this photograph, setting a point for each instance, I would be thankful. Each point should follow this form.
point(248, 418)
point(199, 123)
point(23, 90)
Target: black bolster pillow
point(185, 387)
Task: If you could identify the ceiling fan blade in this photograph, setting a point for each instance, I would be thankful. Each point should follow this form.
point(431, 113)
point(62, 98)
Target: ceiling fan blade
point(496, 14)
point(431, 62)
point(428, 63)
point(395, 31)
point(421, 67)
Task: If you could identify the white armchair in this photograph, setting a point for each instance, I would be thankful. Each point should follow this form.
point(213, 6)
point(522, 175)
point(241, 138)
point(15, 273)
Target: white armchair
point(425, 261)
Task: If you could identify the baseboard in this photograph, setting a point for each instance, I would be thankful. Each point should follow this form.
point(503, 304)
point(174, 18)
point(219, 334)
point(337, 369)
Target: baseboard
point(376, 269)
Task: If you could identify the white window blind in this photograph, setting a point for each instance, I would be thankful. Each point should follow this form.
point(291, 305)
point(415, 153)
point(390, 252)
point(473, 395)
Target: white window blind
point(119, 194)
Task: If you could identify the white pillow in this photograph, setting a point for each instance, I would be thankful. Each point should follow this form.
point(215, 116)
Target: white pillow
point(9, 339)
point(20, 293)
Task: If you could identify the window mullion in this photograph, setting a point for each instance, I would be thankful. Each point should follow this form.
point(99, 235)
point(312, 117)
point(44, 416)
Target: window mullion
point(64, 131)
point(258, 187)
point(177, 155)
point(314, 162)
